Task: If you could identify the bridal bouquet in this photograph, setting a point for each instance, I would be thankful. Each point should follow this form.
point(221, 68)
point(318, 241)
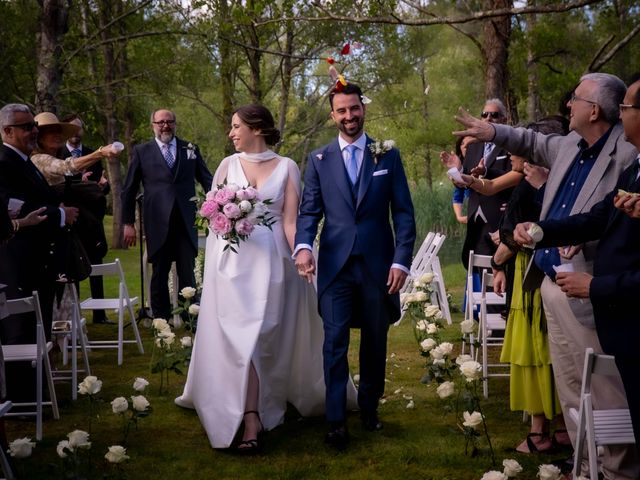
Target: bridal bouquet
point(232, 212)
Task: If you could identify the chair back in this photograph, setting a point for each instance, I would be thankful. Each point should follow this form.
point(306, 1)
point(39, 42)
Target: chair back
point(106, 269)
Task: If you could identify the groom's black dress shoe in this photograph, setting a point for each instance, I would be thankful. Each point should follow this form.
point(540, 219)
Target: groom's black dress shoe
point(370, 421)
point(337, 437)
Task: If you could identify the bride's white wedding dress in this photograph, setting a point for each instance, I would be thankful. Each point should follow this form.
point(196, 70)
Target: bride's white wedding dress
point(255, 307)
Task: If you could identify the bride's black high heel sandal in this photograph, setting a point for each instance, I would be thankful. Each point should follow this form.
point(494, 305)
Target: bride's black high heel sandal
point(253, 445)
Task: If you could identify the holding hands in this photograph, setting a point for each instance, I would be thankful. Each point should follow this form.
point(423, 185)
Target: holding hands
point(306, 264)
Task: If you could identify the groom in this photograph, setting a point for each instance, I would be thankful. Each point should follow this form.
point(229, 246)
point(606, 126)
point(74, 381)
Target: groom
point(362, 262)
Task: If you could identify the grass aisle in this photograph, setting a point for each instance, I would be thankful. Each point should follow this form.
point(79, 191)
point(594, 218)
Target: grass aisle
point(418, 443)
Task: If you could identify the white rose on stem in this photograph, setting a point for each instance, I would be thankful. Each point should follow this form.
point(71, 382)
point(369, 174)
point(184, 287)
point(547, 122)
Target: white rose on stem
point(494, 475)
point(549, 472)
point(119, 405)
point(194, 309)
point(463, 358)
point(186, 342)
point(116, 454)
point(511, 467)
point(426, 278)
point(427, 344)
point(437, 353)
point(446, 348)
point(422, 325)
point(140, 404)
point(21, 447)
point(472, 420)
point(468, 326)
point(140, 384)
point(431, 310)
point(60, 449)
point(188, 292)
point(90, 385)
point(420, 297)
point(432, 328)
point(471, 370)
point(79, 439)
point(445, 389)
point(440, 361)
point(160, 324)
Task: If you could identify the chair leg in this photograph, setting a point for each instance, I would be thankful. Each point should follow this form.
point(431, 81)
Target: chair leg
point(52, 390)
point(121, 333)
point(134, 325)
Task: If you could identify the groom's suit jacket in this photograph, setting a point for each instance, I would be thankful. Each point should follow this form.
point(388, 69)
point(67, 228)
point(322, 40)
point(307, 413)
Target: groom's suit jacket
point(558, 152)
point(357, 221)
point(164, 188)
point(616, 269)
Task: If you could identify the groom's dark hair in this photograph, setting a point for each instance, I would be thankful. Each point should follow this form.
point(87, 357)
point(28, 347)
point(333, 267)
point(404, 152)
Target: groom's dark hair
point(348, 89)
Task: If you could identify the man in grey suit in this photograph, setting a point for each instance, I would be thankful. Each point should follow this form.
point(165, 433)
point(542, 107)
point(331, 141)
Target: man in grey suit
point(585, 166)
point(168, 168)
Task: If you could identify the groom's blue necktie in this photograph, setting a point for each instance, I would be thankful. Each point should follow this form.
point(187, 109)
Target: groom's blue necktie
point(351, 163)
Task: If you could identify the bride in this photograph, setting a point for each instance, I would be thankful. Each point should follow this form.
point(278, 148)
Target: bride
point(259, 339)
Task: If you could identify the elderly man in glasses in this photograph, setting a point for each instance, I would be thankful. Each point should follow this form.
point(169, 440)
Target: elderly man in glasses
point(585, 167)
point(168, 167)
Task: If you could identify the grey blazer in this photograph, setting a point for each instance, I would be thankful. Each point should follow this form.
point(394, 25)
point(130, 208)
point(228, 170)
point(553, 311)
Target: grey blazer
point(557, 152)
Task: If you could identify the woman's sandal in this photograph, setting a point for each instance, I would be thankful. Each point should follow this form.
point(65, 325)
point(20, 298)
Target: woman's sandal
point(533, 448)
point(253, 445)
point(558, 444)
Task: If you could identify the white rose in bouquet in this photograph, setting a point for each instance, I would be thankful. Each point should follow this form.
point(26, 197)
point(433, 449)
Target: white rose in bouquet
point(79, 439)
point(259, 210)
point(426, 278)
point(511, 467)
point(140, 404)
point(116, 454)
point(472, 420)
point(140, 384)
point(90, 385)
point(245, 206)
point(119, 405)
point(21, 447)
point(234, 187)
point(445, 389)
point(420, 297)
point(463, 358)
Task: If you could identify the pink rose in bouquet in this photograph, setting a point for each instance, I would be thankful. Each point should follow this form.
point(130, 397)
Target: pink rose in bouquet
point(233, 212)
point(244, 227)
point(220, 224)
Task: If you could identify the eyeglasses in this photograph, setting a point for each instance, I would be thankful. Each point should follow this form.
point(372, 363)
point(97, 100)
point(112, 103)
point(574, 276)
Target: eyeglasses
point(27, 127)
point(624, 106)
point(491, 114)
point(575, 98)
point(165, 122)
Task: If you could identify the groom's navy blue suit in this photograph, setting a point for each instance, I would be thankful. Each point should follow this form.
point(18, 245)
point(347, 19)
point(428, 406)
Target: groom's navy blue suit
point(357, 248)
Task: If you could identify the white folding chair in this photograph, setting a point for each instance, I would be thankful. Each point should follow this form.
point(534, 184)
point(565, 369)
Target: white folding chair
point(36, 353)
point(473, 299)
point(4, 461)
point(122, 304)
point(490, 324)
point(598, 427)
point(74, 340)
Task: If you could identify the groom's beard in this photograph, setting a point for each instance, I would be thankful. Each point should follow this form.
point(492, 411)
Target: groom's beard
point(166, 137)
point(353, 128)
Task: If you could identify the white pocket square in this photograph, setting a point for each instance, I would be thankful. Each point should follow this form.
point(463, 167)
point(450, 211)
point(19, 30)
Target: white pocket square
point(501, 157)
point(380, 172)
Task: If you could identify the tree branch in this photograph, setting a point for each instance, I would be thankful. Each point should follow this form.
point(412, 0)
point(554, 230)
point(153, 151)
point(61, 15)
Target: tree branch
point(596, 65)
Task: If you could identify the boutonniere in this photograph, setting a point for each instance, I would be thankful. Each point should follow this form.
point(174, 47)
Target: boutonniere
point(191, 151)
point(319, 156)
point(380, 148)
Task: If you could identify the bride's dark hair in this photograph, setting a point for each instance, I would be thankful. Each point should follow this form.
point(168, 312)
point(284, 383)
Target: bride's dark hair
point(258, 117)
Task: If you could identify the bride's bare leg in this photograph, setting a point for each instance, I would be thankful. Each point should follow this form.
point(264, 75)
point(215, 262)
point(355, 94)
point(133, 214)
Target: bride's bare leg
point(252, 423)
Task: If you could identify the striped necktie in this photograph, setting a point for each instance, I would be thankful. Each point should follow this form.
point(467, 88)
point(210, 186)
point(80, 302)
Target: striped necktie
point(168, 156)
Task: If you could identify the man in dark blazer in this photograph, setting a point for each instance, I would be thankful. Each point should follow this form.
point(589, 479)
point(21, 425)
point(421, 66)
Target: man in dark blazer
point(90, 226)
point(615, 283)
point(167, 167)
point(484, 211)
point(363, 261)
point(584, 167)
point(30, 250)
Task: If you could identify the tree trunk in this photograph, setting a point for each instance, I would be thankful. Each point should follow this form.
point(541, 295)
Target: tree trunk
point(533, 92)
point(428, 173)
point(51, 29)
point(496, 33)
point(286, 69)
point(226, 69)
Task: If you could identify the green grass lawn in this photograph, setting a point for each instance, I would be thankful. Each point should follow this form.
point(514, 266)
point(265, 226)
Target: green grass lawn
point(418, 443)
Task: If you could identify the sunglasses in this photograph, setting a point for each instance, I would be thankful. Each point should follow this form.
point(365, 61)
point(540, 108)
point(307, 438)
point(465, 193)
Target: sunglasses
point(164, 122)
point(625, 106)
point(27, 127)
point(491, 114)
